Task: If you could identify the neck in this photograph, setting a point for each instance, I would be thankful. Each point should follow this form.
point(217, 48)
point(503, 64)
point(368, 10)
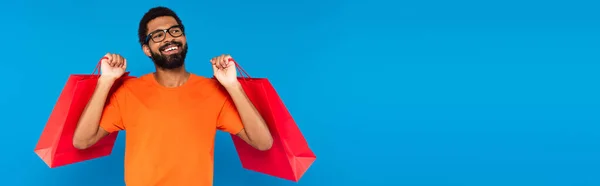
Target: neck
point(171, 77)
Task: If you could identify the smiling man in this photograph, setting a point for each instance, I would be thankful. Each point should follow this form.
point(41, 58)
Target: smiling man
point(171, 116)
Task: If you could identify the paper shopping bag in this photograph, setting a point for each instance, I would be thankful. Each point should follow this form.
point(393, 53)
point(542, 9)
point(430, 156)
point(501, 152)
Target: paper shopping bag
point(290, 156)
point(55, 145)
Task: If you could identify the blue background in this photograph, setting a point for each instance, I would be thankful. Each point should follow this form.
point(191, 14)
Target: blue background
point(427, 93)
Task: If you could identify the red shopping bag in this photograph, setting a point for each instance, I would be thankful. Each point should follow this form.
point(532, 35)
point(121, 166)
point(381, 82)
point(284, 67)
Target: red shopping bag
point(290, 156)
point(55, 145)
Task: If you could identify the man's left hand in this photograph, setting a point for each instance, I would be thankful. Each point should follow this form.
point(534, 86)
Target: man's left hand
point(225, 70)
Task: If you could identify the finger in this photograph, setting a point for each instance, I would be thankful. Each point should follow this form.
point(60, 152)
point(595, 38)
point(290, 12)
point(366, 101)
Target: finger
point(116, 60)
point(112, 60)
point(230, 61)
point(215, 68)
point(222, 61)
point(227, 60)
point(107, 57)
point(212, 62)
point(227, 63)
point(218, 62)
point(124, 66)
point(104, 60)
point(119, 61)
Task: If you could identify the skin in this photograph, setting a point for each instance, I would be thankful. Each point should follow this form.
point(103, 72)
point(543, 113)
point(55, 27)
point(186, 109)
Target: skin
point(88, 131)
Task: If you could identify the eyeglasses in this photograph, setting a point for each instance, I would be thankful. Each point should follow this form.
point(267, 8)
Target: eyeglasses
point(160, 35)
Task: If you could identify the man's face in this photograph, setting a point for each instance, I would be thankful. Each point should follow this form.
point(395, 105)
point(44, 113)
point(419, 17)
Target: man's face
point(167, 49)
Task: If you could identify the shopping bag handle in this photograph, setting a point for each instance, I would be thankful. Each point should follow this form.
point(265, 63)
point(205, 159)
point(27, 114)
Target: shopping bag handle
point(240, 69)
point(97, 69)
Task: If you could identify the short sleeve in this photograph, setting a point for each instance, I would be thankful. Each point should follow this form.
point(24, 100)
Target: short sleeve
point(229, 119)
point(111, 119)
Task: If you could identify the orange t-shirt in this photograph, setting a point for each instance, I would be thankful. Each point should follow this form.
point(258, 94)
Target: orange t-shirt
point(170, 131)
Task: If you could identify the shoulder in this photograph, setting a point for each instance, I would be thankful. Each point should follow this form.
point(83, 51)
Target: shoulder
point(127, 84)
point(137, 82)
point(208, 86)
point(201, 82)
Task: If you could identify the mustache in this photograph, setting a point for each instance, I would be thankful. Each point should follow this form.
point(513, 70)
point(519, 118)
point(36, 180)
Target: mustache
point(176, 43)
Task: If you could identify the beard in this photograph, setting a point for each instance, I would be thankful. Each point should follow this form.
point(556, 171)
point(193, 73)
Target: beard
point(171, 61)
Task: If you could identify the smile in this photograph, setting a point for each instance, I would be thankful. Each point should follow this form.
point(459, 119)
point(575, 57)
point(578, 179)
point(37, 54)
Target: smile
point(171, 49)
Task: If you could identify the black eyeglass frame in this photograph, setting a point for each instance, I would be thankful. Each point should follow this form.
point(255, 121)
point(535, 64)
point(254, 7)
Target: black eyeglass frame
point(165, 31)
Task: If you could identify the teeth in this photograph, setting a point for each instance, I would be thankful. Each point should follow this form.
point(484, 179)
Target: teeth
point(169, 49)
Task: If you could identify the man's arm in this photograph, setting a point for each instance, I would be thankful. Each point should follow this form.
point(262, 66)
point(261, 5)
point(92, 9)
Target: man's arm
point(88, 130)
point(255, 132)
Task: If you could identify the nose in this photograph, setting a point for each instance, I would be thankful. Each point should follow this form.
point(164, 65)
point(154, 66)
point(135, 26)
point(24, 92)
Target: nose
point(168, 38)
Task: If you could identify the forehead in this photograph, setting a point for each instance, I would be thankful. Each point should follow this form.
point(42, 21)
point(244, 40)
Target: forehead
point(160, 23)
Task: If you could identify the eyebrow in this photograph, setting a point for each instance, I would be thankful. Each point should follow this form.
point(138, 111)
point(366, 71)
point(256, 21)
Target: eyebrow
point(164, 29)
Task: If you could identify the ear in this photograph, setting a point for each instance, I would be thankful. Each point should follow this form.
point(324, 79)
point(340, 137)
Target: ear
point(146, 49)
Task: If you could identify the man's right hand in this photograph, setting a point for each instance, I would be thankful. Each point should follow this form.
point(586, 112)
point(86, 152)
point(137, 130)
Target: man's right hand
point(88, 130)
point(113, 67)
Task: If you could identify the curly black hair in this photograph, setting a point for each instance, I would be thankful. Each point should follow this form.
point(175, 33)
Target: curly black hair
point(149, 16)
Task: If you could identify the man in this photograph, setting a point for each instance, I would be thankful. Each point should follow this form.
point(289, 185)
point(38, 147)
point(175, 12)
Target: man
point(171, 116)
